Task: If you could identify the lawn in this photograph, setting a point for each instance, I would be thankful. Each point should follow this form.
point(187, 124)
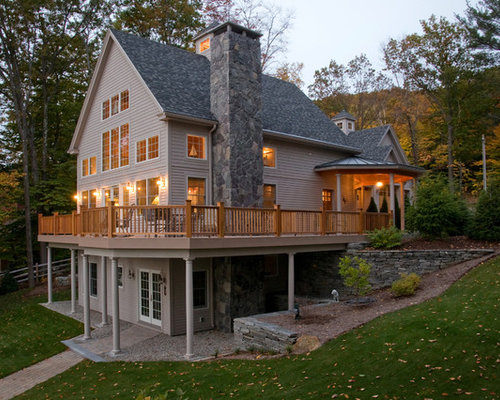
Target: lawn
point(444, 348)
point(30, 333)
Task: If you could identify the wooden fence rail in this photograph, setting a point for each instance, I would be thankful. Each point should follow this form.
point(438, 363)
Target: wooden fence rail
point(39, 270)
point(208, 221)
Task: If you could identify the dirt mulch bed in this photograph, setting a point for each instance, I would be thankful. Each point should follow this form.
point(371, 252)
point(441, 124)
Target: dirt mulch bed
point(41, 288)
point(454, 242)
point(329, 321)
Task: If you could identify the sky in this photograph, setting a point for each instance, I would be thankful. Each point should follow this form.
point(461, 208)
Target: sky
point(340, 30)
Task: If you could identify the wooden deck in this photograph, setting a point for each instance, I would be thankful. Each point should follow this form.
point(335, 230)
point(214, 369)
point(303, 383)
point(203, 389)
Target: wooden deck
point(207, 221)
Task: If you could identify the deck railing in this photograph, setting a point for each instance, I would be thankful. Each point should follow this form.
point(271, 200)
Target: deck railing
point(208, 221)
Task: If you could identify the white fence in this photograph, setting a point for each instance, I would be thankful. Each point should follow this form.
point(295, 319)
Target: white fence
point(39, 270)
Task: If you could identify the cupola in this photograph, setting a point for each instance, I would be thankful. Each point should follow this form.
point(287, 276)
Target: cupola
point(345, 121)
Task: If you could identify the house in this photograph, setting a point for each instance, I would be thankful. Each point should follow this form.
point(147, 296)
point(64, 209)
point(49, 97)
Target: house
point(200, 178)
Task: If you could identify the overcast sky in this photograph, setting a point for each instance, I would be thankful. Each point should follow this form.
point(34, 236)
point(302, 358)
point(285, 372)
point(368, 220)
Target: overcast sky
point(332, 29)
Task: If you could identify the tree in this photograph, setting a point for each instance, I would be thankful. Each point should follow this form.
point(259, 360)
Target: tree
point(436, 62)
point(290, 72)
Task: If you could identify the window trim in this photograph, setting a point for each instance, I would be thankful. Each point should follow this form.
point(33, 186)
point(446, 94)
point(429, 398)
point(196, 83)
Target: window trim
point(275, 151)
point(147, 152)
point(205, 141)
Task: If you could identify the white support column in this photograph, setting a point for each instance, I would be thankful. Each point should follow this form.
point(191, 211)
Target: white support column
point(189, 307)
point(116, 307)
point(73, 282)
point(339, 192)
point(376, 196)
point(402, 204)
point(86, 299)
point(49, 275)
point(104, 291)
point(291, 280)
point(391, 196)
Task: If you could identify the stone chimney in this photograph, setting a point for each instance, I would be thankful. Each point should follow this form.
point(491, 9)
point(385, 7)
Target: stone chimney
point(345, 121)
point(236, 102)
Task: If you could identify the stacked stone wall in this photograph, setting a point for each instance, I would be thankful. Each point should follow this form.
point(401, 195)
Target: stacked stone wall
point(251, 332)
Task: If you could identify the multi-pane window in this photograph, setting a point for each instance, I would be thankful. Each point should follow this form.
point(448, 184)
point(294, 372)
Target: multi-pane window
point(125, 196)
point(147, 149)
point(105, 109)
point(124, 100)
point(93, 165)
point(85, 167)
point(112, 196)
point(196, 191)
point(141, 192)
point(269, 157)
point(85, 198)
point(205, 45)
point(327, 198)
point(93, 279)
point(93, 198)
point(269, 196)
point(196, 146)
point(200, 289)
point(115, 148)
point(153, 192)
point(147, 192)
point(89, 166)
point(115, 101)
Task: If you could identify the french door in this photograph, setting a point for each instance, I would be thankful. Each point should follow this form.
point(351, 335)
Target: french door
point(150, 297)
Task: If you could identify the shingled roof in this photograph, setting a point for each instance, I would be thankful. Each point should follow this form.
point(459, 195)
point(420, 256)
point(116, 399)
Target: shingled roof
point(180, 81)
point(368, 140)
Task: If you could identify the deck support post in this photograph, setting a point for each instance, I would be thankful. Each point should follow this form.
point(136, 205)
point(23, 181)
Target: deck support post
point(116, 307)
point(73, 281)
point(49, 275)
point(104, 291)
point(86, 299)
point(402, 204)
point(391, 198)
point(189, 307)
point(291, 280)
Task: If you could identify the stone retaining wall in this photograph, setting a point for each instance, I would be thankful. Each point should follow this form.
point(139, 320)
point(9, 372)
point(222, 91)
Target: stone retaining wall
point(251, 332)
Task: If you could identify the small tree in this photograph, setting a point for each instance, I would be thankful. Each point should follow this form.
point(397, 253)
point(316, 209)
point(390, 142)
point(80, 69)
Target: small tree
point(485, 223)
point(372, 207)
point(397, 212)
point(384, 208)
point(355, 272)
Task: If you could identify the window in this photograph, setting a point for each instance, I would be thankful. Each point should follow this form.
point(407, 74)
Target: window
point(195, 146)
point(141, 151)
point(339, 124)
point(205, 45)
point(147, 192)
point(125, 196)
point(105, 151)
point(93, 198)
point(269, 157)
point(152, 147)
point(114, 104)
point(85, 198)
point(349, 125)
point(85, 167)
point(153, 191)
point(119, 274)
point(93, 165)
point(105, 109)
point(200, 289)
point(112, 196)
point(269, 196)
point(124, 100)
point(147, 149)
point(124, 145)
point(141, 193)
point(93, 279)
point(327, 197)
point(115, 148)
point(196, 191)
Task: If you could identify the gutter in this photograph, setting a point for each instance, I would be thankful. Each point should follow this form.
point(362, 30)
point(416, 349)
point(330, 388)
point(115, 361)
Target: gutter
point(166, 116)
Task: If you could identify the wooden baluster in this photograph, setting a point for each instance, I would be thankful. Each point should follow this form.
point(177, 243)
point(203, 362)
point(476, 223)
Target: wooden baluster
point(189, 213)
point(277, 220)
point(220, 219)
point(110, 220)
point(361, 222)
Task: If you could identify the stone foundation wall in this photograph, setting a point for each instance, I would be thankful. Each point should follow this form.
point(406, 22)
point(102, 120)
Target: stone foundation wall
point(251, 332)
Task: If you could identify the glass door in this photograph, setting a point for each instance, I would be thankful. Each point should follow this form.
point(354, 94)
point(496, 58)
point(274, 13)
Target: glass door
point(150, 297)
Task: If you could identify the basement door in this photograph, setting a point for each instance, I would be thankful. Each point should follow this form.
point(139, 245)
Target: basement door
point(150, 297)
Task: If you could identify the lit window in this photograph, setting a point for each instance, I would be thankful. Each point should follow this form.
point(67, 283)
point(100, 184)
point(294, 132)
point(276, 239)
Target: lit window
point(85, 198)
point(152, 147)
point(269, 157)
point(141, 193)
point(115, 148)
point(195, 146)
point(124, 100)
point(115, 100)
point(105, 151)
point(93, 165)
point(125, 196)
point(153, 192)
point(105, 109)
point(124, 145)
point(200, 289)
point(141, 151)
point(92, 198)
point(327, 197)
point(269, 196)
point(147, 192)
point(85, 167)
point(196, 191)
point(205, 45)
point(339, 124)
point(93, 279)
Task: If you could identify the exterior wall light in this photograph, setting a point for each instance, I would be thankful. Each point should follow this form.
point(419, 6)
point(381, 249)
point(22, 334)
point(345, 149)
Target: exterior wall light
point(130, 187)
point(162, 183)
point(379, 184)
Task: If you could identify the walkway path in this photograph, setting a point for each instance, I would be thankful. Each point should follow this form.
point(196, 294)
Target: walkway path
point(21, 381)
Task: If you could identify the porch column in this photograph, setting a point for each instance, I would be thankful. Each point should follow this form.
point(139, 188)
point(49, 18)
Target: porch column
point(104, 291)
point(116, 308)
point(86, 299)
point(291, 280)
point(391, 196)
point(189, 307)
point(339, 192)
point(73, 282)
point(402, 204)
point(49, 275)
point(376, 196)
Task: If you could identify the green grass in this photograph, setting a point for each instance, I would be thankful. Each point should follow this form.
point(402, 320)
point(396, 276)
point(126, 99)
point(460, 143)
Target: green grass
point(444, 348)
point(29, 332)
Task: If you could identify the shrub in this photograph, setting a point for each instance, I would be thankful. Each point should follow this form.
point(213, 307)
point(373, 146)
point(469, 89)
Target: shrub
point(372, 207)
point(485, 224)
point(437, 212)
point(355, 272)
point(9, 284)
point(385, 238)
point(406, 286)
point(384, 207)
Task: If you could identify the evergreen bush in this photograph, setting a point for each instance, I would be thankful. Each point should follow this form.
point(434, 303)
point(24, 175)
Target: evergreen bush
point(9, 284)
point(372, 207)
point(485, 223)
point(385, 238)
point(397, 211)
point(406, 286)
point(355, 272)
point(384, 207)
point(437, 212)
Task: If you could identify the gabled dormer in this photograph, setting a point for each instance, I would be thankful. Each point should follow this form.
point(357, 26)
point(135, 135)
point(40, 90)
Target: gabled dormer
point(345, 121)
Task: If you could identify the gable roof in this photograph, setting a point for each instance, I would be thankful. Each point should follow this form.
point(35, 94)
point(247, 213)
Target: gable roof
point(368, 140)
